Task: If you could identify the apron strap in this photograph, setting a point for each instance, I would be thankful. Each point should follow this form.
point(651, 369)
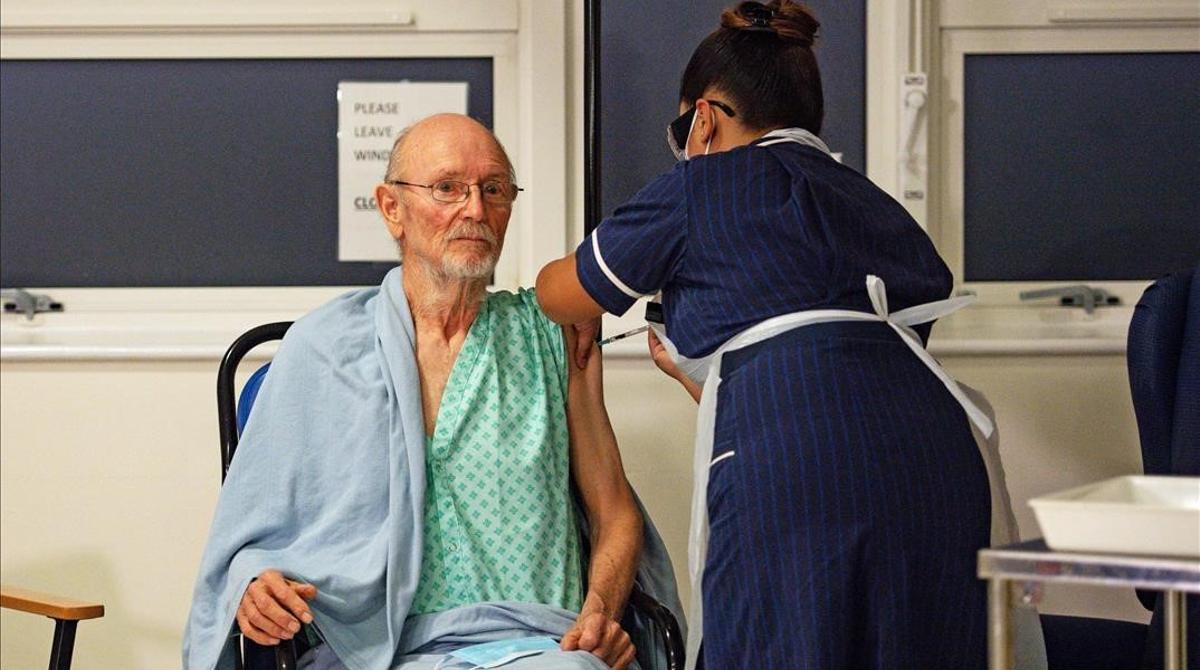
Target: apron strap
point(917, 314)
point(902, 323)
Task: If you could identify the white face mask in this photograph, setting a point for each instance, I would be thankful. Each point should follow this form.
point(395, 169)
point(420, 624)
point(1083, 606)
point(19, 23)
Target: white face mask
point(681, 153)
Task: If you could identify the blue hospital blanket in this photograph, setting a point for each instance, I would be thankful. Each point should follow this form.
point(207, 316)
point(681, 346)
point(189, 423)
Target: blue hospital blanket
point(342, 400)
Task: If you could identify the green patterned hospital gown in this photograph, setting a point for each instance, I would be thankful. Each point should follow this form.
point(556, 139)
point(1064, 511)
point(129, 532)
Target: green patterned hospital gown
point(499, 522)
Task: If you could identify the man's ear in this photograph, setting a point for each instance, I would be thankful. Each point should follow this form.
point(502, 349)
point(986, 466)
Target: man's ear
point(391, 209)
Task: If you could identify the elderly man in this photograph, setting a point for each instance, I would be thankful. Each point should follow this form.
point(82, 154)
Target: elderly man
point(403, 483)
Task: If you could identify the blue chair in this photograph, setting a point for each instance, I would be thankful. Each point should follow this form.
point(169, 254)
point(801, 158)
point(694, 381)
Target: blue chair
point(644, 616)
point(232, 413)
point(1164, 374)
point(1163, 356)
point(1164, 378)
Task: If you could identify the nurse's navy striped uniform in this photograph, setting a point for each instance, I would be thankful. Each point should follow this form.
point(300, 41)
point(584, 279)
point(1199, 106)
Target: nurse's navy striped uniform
point(846, 498)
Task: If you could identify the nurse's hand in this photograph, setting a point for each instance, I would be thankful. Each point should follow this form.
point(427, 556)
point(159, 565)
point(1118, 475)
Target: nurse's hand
point(585, 334)
point(662, 358)
point(585, 364)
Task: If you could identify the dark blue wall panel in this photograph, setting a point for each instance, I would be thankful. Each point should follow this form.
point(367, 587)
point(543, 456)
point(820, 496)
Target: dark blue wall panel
point(1081, 166)
point(646, 47)
point(184, 172)
point(223, 172)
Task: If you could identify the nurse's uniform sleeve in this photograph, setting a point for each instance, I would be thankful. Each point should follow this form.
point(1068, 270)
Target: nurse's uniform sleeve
point(637, 250)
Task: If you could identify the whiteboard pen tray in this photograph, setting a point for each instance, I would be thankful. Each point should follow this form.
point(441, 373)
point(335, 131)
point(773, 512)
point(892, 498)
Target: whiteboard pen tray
point(1158, 516)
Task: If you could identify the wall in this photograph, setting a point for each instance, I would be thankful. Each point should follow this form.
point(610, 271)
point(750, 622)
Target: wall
point(1064, 421)
point(108, 477)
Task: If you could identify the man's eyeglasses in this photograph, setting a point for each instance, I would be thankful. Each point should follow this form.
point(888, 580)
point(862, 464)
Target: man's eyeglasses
point(450, 191)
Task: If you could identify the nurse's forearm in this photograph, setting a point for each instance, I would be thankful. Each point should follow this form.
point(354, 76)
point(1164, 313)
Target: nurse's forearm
point(562, 297)
point(691, 387)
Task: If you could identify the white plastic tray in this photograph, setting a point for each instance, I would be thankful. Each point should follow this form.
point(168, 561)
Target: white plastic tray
point(1145, 515)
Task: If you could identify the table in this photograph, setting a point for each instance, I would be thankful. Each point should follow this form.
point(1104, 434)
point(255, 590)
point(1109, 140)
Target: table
point(1033, 562)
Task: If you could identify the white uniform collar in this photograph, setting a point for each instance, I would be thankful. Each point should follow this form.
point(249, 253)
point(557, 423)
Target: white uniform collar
point(797, 135)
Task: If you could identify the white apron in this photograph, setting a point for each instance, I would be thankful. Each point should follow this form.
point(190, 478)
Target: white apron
point(708, 372)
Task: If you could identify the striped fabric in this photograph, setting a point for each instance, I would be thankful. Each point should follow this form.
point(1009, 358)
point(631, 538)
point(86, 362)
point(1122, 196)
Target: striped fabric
point(845, 528)
point(737, 237)
point(843, 531)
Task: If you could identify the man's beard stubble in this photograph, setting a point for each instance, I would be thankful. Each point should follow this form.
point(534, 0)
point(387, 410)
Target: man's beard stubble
point(470, 268)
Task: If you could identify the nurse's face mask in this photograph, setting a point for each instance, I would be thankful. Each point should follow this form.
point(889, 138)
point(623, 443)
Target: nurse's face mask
point(679, 131)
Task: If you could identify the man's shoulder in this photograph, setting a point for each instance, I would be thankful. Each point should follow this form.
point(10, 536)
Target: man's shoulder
point(520, 329)
point(520, 310)
point(519, 304)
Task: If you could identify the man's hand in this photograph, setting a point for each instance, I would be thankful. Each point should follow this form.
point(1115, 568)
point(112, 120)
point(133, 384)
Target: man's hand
point(273, 607)
point(595, 632)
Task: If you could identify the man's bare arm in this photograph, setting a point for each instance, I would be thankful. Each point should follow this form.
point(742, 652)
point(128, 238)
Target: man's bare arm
point(615, 521)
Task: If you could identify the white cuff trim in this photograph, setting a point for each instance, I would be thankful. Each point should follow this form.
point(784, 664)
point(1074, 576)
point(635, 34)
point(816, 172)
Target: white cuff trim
point(609, 273)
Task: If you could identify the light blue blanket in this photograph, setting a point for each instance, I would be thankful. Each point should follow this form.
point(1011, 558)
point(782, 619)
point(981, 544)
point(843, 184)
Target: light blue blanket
point(428, 638)
point(313, 493)
point(328, 484)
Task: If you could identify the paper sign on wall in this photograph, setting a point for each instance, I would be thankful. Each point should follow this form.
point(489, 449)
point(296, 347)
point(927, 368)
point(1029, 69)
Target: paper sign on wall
point(370, 115)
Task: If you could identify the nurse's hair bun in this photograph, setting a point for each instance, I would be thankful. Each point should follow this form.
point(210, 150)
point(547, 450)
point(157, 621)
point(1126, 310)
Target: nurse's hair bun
point(791, 22)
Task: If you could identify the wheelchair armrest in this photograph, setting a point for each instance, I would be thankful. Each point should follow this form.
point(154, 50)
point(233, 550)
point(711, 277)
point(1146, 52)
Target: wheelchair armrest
point(285, 655)
point(664, 622)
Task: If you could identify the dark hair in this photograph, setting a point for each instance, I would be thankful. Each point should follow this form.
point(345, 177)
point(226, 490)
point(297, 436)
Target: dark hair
point(761, 58)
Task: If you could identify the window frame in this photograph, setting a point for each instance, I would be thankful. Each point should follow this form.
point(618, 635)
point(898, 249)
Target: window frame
point(933, 36)
point(947, 229)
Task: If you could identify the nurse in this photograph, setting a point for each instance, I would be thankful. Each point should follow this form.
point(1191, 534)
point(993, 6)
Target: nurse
point(840, 497)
